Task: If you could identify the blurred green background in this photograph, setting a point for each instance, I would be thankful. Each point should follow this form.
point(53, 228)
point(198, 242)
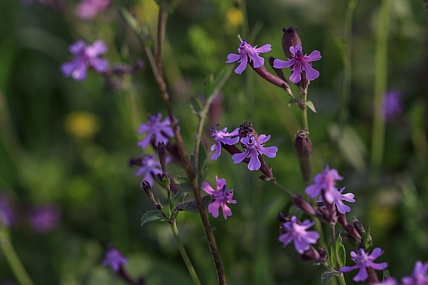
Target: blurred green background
point(68, 143)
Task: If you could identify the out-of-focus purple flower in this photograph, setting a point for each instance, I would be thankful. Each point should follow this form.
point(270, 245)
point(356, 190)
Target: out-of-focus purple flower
point(114, 258)
point(150, 167)
point(297, 232)
point(44, 218)
point(392, 104)
point(301, 63)
point(88, 9)
point(222, 137)
point(85, 57)
point(338, 197)
point(363, 261)
point(247, 51)
point(419, 275)
point(7, 215)
point(254, 148)
point(221, 196)
point(388, 281)
point(325, 181)
point(154, 127)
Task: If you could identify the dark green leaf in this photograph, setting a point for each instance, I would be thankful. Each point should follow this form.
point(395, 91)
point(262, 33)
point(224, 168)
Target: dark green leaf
point(191, 206)
point(178, 198)
point(195, 105)
point(368, 242)
point(151, 216)
point(183, 183)
point(326, 276)
point(341, 253)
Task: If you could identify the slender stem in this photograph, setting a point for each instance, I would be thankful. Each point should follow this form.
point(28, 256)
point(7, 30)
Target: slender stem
point(333, 245)
point(341, 279)
point(13, 259)
point(184, 254)
point(378, 131)
point(305, 110)
point(158, 74)
point(273, 180)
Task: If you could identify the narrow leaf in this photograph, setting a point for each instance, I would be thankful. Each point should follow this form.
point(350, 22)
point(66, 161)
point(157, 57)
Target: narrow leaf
point(195, 105)
point(178, 198)
point(151, 216)
point(341, 253)
point(183, 183)
point(311, 106)
point(191, 206)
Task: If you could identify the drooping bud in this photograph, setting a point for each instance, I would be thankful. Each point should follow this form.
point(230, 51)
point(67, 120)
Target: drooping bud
point(353, 234)
point(148, 191)
point(359, 227)
point(300, 202)
point(342, 219)
point(303, 149)
point(290, 38)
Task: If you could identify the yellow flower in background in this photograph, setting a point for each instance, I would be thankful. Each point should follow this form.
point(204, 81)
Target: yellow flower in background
point(234, 16)
point(82, 124)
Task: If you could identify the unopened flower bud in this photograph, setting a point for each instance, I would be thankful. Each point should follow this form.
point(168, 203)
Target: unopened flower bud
point(283, 218)
point(310, 254)
point(162, 156)
point(342, 219)
point(290, 38)
point(359, 227)
point(303, 149)
point(300, 202)
point(323, 253)
point(353, 234)
point(148, 191)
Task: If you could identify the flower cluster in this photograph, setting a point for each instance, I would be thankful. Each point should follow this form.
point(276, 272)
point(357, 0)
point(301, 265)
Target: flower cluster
point(221, 196)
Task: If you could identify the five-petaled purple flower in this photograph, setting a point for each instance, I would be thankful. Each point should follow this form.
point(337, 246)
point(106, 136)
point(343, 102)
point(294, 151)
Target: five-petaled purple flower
point(297, 232)
point(114, 258)
point(247, 51)
point(222, 137)
point(150, 167)
point(338, 197)
point(301, 63)
point(154, 127)
point(88, 9)
point(85, 57)
point(253, 148)
point(392, 104)
point(364, 260)
point(419, 276)
point(221, 196)
point(325, 181)
point(44, 218)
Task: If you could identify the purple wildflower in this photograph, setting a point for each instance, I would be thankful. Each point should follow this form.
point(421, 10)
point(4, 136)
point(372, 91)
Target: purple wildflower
point(297, 232)
point(388, 281)
point(44, 218)
point(392, 104)
point(114, 258)
point(247, 51)
point(85, 57)
point(88, 9)
point(154, 127)
point(419, 276)
point(150, 167)
point(254, 148)
point(364, 260)
point(221, 196)
point(301, 63)
point(325, 181)
point(338, 197)
point(7, 215)
point(222, 137)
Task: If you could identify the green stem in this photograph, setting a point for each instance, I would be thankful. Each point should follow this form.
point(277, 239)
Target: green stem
point(341, 279)
point(184, 254)
point(378, 131)
point(13, 259)
point(333, 245)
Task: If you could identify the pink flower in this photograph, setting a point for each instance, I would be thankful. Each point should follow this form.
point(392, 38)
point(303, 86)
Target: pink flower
point(364, 260)
point(154, 127)
point(221, 196)
point(297, 232)
point(88, 9)
point(254, 148)
point(114, 258)
point(222, 137)
point(325, 181)
point(301, 63)
point(247, 51)
point(338, 197)
point(419, 276)
point(85, 57)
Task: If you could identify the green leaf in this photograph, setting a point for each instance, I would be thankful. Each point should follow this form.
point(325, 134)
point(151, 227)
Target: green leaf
point(191, 206)
point(183, 183)
point(178, 198)
point(311, 106)
point(151, 216)
point(326, 276)
point(212, 86)
point(195, 105)
point(341, 253)
point(368, 241)
point(130, 20)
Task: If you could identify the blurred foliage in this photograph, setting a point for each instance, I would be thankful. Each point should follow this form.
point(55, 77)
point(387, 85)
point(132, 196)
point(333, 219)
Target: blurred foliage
point(67, 142)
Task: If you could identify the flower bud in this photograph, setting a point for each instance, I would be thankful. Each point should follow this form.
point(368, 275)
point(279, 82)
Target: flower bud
point(303, 149)
point(148, 191)
point(300, 202)
point(290, 38)
point(342, 220)
point(353, 234)
point(310, 254)
point(359, 227)
point(162, 156)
